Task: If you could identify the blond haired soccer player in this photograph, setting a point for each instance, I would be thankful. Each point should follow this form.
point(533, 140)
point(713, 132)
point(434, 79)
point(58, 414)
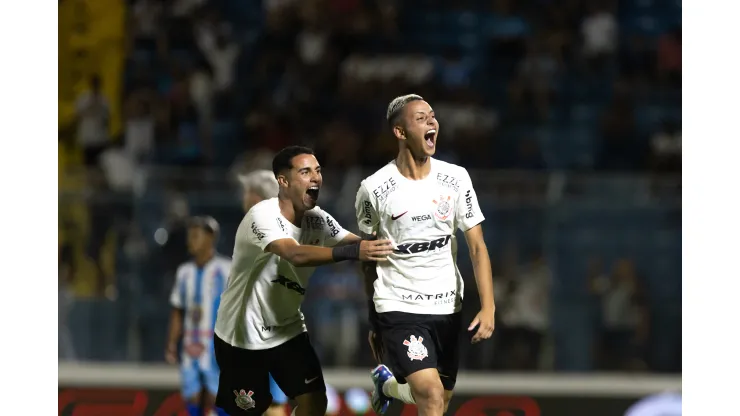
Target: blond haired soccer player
point(418, 203)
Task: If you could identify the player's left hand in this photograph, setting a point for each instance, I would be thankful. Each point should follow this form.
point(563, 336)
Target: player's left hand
point(484, 320)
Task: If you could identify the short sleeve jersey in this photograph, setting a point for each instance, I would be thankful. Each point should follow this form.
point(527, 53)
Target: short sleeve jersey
point(197, 291)
point(420, 218)
point(261, 306)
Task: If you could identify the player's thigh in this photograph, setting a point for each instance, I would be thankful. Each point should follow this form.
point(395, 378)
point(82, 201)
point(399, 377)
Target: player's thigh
point(190, 385)
point(447, 333)
point(244, 384)
point(408, 347)
point(295, 367)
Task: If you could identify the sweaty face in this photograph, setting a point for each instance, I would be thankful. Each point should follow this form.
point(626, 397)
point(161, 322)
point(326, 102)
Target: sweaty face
point(304, 181)
point(199, 240)
point(420, 128)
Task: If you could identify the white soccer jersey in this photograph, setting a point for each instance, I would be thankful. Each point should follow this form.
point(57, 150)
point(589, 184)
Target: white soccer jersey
point(261, 307)
point(420, 219)
point(197, 291)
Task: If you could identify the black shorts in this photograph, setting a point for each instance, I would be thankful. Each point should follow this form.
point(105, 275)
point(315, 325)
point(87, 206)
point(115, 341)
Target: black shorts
point(413, 342)
point(244, 384)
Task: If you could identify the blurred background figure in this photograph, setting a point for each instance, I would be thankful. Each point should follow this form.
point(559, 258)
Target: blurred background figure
point(194, 301)
point(256, 187)
point(567, 115)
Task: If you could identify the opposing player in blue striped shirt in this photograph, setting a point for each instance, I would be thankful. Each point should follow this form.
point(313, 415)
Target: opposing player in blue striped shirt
point(195, 299)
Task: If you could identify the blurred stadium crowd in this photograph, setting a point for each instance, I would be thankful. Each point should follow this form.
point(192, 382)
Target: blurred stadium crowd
point(567, 113)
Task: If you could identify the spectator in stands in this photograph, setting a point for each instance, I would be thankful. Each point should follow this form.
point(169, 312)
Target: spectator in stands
point(144, 25)
point(626, 319)
point(600, 36)
point(93, 115)
point(139, 127)
point(533, 84)
point(454, 70)
point(102, 218)
point(637, 58)
point(183, 8)
point(222, 55)
point(666, 148)
point(527, 315)
point(622, 148)
point(312, 41)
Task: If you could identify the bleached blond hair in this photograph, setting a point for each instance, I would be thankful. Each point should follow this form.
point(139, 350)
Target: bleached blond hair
point(397, 105)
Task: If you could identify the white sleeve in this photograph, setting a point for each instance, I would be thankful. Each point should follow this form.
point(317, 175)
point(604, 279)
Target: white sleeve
point(367, 214)
point(333, 230)
point(265, 227)
point(177, 297)
point(468, 213)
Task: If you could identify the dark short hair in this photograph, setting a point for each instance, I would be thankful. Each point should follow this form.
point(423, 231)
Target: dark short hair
point(284, 158)
point(397, 105)
point(208, 224)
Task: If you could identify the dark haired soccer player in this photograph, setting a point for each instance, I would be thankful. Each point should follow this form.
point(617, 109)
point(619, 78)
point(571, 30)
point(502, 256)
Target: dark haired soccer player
point(418, 203)
point(194, 300)
point(260, 328)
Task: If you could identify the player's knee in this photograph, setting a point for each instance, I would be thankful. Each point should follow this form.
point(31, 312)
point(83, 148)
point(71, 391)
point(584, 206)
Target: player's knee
point(429, 394)
point(260, 409)
point(312, 404)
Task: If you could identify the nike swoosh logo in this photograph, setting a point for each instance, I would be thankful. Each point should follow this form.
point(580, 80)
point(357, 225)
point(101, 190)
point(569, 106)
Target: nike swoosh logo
point(310, 380)
point(395, 217)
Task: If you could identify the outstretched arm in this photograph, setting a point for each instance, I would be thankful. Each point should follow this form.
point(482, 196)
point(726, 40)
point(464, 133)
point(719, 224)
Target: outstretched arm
point(311, 256)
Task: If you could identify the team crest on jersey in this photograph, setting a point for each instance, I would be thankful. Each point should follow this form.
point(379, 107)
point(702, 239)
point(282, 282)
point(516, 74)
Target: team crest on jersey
point(444, 207)
point(417, 350)
point(244, 399)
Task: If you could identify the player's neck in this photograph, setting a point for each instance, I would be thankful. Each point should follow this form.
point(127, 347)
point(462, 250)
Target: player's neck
point(204, 258)
point(290, 212)
point(413, 168)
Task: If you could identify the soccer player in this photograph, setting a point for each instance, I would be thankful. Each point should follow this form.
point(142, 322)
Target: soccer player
point(418, 203)
point(257, 186)
point(260, 329)
point(195, 299)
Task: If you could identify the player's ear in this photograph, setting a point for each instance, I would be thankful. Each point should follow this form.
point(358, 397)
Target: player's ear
point(282, 181)
point(399, 132)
